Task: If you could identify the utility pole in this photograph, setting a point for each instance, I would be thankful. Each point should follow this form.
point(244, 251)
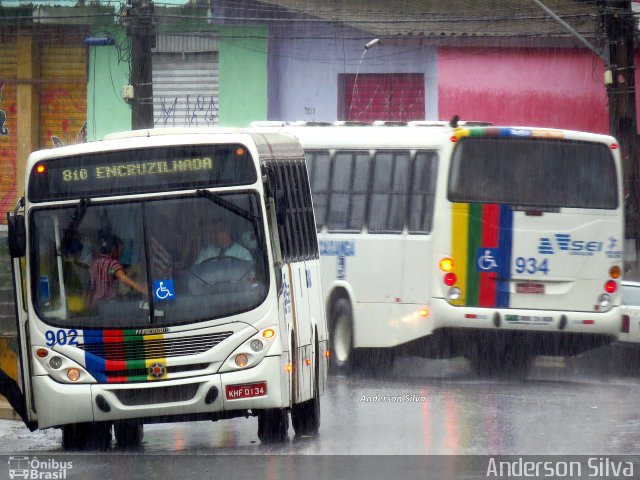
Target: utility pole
point(141, 32)
point(619, 27)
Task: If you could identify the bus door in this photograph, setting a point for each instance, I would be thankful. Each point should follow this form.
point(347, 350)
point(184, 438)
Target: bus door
point(303, 332)
point(20, 394)
point(418, 253)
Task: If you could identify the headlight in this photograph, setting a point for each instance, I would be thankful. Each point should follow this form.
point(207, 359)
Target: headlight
point(55, 362)
point(251, 351)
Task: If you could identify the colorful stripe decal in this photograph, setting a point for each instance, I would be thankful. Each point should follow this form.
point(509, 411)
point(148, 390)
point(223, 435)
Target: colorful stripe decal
point(490, 229)
point(110, 354)
point(504, 256)
point(475, 232)
point(459, 235)
point(482, 229)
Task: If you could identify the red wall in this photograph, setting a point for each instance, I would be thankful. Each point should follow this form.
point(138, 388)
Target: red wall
point(558, 88)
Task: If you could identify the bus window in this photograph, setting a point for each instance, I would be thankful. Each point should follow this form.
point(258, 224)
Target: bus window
point(389, 192)
point(318, 163)
point(423, 187)
point(544, 173)
point(349, 184)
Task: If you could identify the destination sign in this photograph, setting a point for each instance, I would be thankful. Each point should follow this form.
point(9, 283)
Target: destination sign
point(140, 171)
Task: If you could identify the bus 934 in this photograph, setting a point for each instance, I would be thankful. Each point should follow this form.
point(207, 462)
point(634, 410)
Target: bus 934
point(466, 239)
point(168, 275)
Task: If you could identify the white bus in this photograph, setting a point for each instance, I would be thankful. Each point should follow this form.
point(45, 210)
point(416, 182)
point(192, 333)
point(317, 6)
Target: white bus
point(467, 239)
point(168, 276)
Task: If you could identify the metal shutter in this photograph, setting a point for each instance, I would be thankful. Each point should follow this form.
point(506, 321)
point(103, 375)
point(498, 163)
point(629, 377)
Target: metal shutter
point(185, 83)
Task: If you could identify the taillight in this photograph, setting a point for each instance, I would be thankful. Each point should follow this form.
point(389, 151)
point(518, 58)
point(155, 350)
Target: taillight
point(626, 324)
point(450, 279)
point(446, 264)
point(615, 272)
point(611, 286)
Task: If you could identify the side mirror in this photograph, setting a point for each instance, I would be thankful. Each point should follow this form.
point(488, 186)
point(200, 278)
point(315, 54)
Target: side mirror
point(276, 192)
point(17, 235)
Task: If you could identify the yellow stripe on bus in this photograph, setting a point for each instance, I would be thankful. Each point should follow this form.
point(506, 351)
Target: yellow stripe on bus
point(459, 247)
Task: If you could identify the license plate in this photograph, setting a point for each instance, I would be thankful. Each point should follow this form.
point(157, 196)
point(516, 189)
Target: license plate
point(529, 319)
point(235, 392)
point(530, 288)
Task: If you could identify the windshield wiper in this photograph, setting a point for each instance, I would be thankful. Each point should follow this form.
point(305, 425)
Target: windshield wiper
point(228, 205)
point(72, 226)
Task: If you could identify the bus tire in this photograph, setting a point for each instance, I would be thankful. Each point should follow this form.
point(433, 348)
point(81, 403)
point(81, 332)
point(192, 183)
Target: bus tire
point(305, 416)
point(129, 434)
point(342, 358)
point(86, 436)
point(273, 425)
point(501, 361)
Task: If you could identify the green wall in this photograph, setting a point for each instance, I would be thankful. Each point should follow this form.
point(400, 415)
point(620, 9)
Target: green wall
point(106, 111)
point(242, 81)
point(243, 75)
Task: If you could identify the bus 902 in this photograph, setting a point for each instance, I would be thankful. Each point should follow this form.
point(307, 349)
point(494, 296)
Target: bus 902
point(168, 276)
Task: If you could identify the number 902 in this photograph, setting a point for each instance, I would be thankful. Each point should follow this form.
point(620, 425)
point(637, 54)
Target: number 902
point(61, 337)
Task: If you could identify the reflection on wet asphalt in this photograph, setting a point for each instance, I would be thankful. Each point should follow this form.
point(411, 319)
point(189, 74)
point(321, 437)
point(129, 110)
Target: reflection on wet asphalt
point(427, 407)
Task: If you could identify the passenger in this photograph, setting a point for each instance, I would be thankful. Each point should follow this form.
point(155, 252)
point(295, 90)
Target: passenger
point(222, 245)
point(105, 269)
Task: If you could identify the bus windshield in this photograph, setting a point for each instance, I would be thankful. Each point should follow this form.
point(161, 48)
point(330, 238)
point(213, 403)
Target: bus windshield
point(151, 262)
point(533, 173)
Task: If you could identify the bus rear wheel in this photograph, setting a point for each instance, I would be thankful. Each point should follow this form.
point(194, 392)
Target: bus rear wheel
point(342, 357)
point(273, 425)
point(86, 436)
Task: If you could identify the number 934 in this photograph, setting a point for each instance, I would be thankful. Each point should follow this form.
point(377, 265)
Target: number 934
point(532, 265)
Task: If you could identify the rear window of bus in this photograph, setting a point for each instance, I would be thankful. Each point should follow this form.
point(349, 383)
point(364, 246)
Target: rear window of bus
point(533, 173)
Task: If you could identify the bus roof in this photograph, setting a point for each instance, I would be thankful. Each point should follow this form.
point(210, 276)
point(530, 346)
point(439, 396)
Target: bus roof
point(418, 134)
point(284, 143)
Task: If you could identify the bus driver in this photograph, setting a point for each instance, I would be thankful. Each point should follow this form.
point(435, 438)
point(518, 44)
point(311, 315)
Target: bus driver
point(222, 245)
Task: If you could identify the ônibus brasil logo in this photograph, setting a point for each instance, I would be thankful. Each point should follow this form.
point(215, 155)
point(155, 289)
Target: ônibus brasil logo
point(34, 468)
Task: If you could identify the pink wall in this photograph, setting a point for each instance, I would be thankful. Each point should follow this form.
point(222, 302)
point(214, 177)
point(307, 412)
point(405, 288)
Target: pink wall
point(558, 88)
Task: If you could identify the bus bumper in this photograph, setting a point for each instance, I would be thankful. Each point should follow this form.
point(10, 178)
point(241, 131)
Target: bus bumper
point(59, 404)
point(446, 315)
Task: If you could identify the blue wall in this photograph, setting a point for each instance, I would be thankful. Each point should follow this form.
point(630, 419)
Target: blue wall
point(304, 63)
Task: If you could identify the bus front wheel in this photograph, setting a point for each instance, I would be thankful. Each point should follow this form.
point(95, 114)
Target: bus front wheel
point(273, 425)
point(90, 436)
point(342, 335)
point(305, 416)
point(129, 434)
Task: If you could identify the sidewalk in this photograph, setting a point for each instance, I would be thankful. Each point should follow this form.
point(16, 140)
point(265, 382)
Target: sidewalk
point(6, 412)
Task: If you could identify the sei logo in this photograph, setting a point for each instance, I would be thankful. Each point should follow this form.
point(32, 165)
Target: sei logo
point(562, 242)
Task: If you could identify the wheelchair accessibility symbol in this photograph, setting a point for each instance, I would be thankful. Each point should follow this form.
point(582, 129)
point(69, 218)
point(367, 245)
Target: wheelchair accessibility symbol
point(487, 259)
point(163, 290)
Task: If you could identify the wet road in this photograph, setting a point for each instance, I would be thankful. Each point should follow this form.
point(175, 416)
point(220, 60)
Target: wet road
point(425, 408)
